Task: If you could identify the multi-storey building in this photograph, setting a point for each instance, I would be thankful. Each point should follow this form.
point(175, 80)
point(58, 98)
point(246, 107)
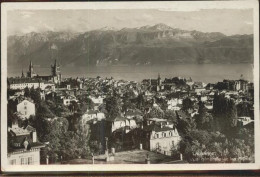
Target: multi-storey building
point(23, 146)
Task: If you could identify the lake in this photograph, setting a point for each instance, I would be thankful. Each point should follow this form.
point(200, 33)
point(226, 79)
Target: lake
point(198, 72)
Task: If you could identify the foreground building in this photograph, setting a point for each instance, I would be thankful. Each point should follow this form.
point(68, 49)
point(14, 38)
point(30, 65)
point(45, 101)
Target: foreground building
point(23, 146)
point(161, 137)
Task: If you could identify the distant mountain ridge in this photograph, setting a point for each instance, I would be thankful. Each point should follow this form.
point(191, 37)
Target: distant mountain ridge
point(147, 45)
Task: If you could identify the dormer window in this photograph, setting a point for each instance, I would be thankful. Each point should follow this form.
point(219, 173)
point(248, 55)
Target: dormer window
point(17, 144)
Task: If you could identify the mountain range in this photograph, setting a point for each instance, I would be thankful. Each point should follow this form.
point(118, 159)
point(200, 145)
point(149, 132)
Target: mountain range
point(147, 45)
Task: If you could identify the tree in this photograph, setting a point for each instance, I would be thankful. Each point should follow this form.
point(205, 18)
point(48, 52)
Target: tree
point(225, 114)
point(171, 116)
point(203, 119)
point(156, 112)
point(187, 104)
point(127, 101)
point(36, 95)
point(140, 101)
point(56, 138)
point(73, 106)
point(113, 106)
point(243, 109)
point(43, 111)
point(27, 92)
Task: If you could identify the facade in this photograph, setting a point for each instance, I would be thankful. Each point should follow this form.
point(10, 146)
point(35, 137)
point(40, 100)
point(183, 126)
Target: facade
point(90, 115)
point(54, 77)
point(160, 137)
point(97, 100)
point(22, 83)
point(121, 122)
point(23, 146)
point(26, 108)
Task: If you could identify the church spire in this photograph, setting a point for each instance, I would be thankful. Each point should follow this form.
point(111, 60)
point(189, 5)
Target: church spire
point(22, 74)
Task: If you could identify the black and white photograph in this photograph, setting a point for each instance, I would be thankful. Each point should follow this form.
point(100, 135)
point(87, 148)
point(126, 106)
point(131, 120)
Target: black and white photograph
point(125, 85)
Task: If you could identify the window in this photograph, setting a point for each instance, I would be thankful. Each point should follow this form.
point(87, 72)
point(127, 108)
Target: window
point(13, 162)
point(25, 107)
point(164, 134)
point(23, 161)
point(25, 112)
point(170, 133)
point(17, 144)
point(25, 103)
point(156, 135)
point(30, 160)
point(173, 143)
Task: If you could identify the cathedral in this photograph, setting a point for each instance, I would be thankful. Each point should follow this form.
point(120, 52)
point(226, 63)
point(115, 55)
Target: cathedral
point(54, 77)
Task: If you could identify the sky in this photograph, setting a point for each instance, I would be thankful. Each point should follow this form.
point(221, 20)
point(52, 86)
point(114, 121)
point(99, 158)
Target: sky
point(226, 21)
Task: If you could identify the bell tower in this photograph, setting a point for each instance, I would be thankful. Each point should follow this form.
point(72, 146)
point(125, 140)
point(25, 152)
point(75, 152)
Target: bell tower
point(55, 72)
point(30, 73)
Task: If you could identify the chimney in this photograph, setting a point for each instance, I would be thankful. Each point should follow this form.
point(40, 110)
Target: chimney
point(34, 136)
point(25, 144)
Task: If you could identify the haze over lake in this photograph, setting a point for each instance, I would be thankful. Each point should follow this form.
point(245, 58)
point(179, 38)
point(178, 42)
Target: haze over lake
point(208, 73)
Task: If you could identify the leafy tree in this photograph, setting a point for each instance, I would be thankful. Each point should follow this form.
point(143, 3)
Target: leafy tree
point(156, 112)
point(203, 119)
point(243, 109)
point(44, 111)
point(113, 106)
point(187, 104)
point(27, 92)
point(171, 116)
point(127, 101)
point(140, 101)
point(225, 114)
point(36, 95)
point(73, 106)
point(86, 101)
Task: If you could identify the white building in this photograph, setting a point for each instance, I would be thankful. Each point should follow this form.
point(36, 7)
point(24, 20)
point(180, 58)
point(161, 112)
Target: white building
point(66, 100)
point(98, 100)
point(90, 115)
point(121, 122)
point(245, 120)
point(23, 149)
point(22, 83)
point(161, 138)
point(26, 108)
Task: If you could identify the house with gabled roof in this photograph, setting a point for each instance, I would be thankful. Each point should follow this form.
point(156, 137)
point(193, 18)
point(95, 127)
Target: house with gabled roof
point(23, 145)
point(160, 137)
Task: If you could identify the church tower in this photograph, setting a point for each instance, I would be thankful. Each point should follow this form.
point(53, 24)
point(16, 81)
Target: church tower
point(22, 74)
point(55, 72)
point(159, 79)
point(30, 73)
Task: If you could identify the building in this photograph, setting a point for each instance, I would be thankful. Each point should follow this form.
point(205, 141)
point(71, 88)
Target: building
point(23, 146)
point(22, 83)
point(244, 120)
point(54, 77)
point(120, 122)
point(160, 137)
point(26, 108)
point(241, 85)
point(90, 115)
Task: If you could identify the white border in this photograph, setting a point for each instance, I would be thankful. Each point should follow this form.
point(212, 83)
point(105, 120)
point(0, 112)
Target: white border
point(167, 6)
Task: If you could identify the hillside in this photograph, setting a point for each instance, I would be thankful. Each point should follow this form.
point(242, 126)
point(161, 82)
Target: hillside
point(147, 45)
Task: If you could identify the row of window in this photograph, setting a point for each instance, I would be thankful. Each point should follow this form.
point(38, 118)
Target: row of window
point(164, 134)
point(23, 160)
